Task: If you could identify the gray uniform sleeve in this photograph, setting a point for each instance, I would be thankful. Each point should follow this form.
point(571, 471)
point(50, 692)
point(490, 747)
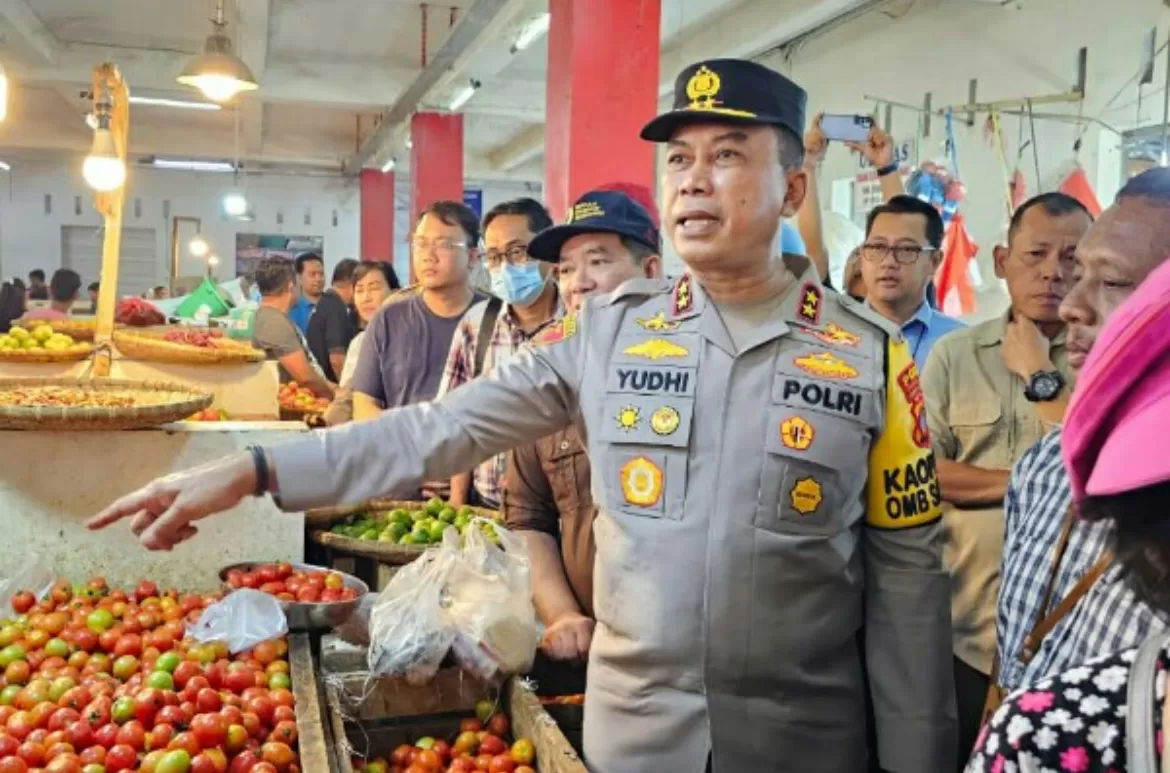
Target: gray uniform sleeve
point(532, 395)
point(908, 639)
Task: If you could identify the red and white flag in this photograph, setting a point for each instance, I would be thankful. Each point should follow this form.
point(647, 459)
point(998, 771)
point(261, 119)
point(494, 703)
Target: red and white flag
point(1077, 186)
point(956, 295)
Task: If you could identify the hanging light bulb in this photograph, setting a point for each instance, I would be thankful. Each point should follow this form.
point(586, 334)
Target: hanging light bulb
point(103, 169)
point(218, 72)
point(198, 247)
point(235, 204)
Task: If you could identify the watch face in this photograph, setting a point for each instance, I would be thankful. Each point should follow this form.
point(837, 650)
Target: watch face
point(1045, 386)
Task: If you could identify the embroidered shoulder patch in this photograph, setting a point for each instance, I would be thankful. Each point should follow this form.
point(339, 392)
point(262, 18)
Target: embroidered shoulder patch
point(563, 329)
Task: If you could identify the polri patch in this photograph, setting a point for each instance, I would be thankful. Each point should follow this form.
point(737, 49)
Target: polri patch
point(796, 433)
point(806, 495)
point(641, 482)
point(561, 330)
point(834, 399)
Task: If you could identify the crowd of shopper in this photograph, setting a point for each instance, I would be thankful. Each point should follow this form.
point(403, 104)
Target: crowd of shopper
point(727, 609)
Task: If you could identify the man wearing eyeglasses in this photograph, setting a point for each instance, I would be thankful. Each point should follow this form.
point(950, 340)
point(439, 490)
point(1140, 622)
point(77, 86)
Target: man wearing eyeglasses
point(903, 240)
point(407, 342)
point(531, 303)
point(992, 391)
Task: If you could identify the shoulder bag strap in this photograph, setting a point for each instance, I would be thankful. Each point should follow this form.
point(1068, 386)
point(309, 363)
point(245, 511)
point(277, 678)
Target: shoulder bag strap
point(486, 326)
point(1141, 754)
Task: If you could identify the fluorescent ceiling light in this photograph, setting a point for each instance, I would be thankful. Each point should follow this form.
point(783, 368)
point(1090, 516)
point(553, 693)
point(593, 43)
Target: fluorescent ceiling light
point(461, 97)
point(5, 166)
point(388, 166)
point(234, 204)
point(184, 104)
point(193, 165)
point(531, 32)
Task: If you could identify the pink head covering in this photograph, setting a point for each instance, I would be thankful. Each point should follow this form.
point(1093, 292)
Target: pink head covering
point(1116, 435)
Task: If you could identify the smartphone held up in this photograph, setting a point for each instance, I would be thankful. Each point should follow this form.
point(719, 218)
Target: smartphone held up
point(846, 128)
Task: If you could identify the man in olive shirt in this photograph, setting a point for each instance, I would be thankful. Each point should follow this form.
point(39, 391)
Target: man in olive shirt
point(992, 391)
point(277, 336)
point(547, 491)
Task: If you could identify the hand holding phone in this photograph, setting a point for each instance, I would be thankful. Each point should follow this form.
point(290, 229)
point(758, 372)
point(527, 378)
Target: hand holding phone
point(846, 128)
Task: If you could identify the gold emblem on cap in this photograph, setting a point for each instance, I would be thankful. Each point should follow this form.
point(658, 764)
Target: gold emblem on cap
point(702, 88)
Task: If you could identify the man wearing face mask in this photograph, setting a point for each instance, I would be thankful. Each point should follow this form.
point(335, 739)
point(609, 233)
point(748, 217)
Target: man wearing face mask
point(531, 303)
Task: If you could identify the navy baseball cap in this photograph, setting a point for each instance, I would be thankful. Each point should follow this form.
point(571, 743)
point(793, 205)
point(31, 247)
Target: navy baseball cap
point(731, 91)
point(598, 212)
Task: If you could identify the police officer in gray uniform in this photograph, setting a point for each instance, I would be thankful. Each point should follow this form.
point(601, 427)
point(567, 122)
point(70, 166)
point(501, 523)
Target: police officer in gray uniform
point(762, 471)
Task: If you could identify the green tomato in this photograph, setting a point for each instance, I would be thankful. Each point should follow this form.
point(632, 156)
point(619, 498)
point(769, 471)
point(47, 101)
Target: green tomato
point(60, 686)
point(10, 653)
point(125, 667)
point(435, 506)
point(94, 768)
point(426, 742)
point(56, 648)
point(123, 710)
point(279, 681)
point(437, 529)
point(9, 634)
point(8, 694)
point(168, 661)
point(160, 680)
point(447, 515)
point(99, 620)
point(484, 711)
point(177, 761)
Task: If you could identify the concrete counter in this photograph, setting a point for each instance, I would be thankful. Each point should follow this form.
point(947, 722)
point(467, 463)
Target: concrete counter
point(51, 482)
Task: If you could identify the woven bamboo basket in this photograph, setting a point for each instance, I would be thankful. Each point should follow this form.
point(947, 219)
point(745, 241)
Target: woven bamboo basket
point(156, 402)
point(77, 329)
point(72, 354)
point(152, 347)
point(385, 552)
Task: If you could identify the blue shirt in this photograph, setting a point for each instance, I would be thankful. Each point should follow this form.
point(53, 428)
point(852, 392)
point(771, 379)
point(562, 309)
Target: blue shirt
point(923, 330)
point(300, 312)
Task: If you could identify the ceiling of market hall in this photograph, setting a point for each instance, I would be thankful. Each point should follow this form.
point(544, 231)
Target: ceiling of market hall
point(328, 69)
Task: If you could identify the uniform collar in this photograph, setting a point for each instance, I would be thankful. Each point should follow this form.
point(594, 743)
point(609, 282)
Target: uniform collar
point(925, 313)
point(991, 332)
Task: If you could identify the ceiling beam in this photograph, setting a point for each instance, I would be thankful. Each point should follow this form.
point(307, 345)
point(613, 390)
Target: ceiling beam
point(748, 31)
point(30, 30)
point(473, 27)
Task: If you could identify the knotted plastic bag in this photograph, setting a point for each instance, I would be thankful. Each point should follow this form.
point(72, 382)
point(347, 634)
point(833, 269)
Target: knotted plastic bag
point(242, 619)
point(32, 575)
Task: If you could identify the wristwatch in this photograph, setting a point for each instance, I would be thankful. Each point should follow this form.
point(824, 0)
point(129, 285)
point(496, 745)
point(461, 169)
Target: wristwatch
point(1044, 385)
point(887, 170)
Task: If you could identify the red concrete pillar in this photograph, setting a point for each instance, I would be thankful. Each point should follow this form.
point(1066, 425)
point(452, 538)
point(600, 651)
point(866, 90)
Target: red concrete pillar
point(436, 160)
point(602, 88)
point(377, 212)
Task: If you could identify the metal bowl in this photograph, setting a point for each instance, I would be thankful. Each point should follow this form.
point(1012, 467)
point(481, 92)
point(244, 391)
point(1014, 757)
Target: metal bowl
point(320, 616)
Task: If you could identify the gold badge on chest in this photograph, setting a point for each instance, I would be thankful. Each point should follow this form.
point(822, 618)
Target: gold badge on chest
point(664, 421)
point(658, 323)
point(657, 349)
point(826, 365)
point(641, 482)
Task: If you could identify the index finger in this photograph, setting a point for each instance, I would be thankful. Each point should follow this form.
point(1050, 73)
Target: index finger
point(122, 508)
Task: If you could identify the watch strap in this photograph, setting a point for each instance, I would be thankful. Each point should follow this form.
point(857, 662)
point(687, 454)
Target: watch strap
point(887, 170)
point(260, 460)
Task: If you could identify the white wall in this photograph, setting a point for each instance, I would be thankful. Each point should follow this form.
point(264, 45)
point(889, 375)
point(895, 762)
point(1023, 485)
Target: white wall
point(1027, 48)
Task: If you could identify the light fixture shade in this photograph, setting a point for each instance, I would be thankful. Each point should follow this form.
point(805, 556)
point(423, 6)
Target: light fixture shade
point(218, 72)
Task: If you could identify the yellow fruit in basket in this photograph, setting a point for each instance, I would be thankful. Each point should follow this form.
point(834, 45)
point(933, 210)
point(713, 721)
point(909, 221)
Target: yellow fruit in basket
point(17, 332)
point(8, 342)
point(29, 343)
point(41, 333)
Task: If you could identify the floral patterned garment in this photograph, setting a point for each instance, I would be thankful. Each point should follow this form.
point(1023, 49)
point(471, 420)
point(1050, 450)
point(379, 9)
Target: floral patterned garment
point(1070, 723)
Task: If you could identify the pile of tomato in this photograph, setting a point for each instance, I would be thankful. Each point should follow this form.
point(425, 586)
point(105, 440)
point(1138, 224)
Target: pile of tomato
point(480, 745)
point(96, 680)
point(287, 584)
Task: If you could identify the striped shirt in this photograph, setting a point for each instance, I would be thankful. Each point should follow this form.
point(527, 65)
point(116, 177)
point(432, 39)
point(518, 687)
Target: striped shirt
point(1110, 617)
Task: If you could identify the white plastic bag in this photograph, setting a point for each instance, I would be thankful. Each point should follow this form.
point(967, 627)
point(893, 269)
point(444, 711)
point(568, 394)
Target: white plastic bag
point(408, 637)
point(32, 575)
point(242, 619)
point(468, 596)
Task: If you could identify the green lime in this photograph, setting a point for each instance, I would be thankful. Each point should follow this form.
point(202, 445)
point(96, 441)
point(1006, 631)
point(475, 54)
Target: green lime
point(421, 533)
point(386, 536)
point(435, 506)
point(396, 530)
point(369, 534)
point(467, 510)
point(461, 522)
point(168, 661)
point(401, 516)
point(447, 515)
point(437, 529)
point(339, 528)
point(418, 515)
point(407, 539)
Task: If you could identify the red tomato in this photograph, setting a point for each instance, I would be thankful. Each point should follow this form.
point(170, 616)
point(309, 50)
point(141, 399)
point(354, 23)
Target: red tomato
point(232, 714)
point(483, 762)
point(279, 755)
point(308, 594)
point(108, 640)
point(19, 725)
point(443, 749)
point(284, 714)
point(210, 730)
point(57, 749)
point(187, 742)
point(106, 735)
point(161, 735)
point(145, 590)
point(282, 697)
point(502, 763)
point(215, 675)
point(185, 672)
point(13, 764)
point(8, 745)
point(132, 734)
point(202, 763)
point(244, 762)
point(76, 698)
point(492, 745)
point(266, 573)
point(239, 680)
point(32, 753)
point(207, 700)
point(470, 725)
point(285, 732)
point(264, 767)
point(80, 734)
point(22, 602)
point(120, 757)
point(428, 760)
point(94, 755)
point(261, 706)
point(252, 724)
point(84, 639)
point(462, 765)
point(62, 718)
point(147, 703)
point(64, 763)
point(499, 725)
point(128, 644)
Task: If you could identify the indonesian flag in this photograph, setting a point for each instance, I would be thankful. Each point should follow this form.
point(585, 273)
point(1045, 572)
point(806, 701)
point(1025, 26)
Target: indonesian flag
point(1077, 186)
point(956, 296)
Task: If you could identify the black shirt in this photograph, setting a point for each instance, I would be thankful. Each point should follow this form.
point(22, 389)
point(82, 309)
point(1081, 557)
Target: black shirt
point(331, 329)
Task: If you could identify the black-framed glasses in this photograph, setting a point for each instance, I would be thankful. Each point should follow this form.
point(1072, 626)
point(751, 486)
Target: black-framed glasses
point(903, 253)
point(515, 255)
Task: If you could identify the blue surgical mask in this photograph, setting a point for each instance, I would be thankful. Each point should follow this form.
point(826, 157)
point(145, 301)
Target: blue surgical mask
point(518, 285)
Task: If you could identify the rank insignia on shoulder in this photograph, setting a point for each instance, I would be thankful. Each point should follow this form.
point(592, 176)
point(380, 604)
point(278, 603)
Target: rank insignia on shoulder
point(664, 421)
point(562, 329)
point(683, 300)
point(641, 482)
point(834, 335)
point(656, 349)
point(629, 417)
point(796, 433)
point(827, 366)
point(806, 495)
point(809, 308)
point(658, 323)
